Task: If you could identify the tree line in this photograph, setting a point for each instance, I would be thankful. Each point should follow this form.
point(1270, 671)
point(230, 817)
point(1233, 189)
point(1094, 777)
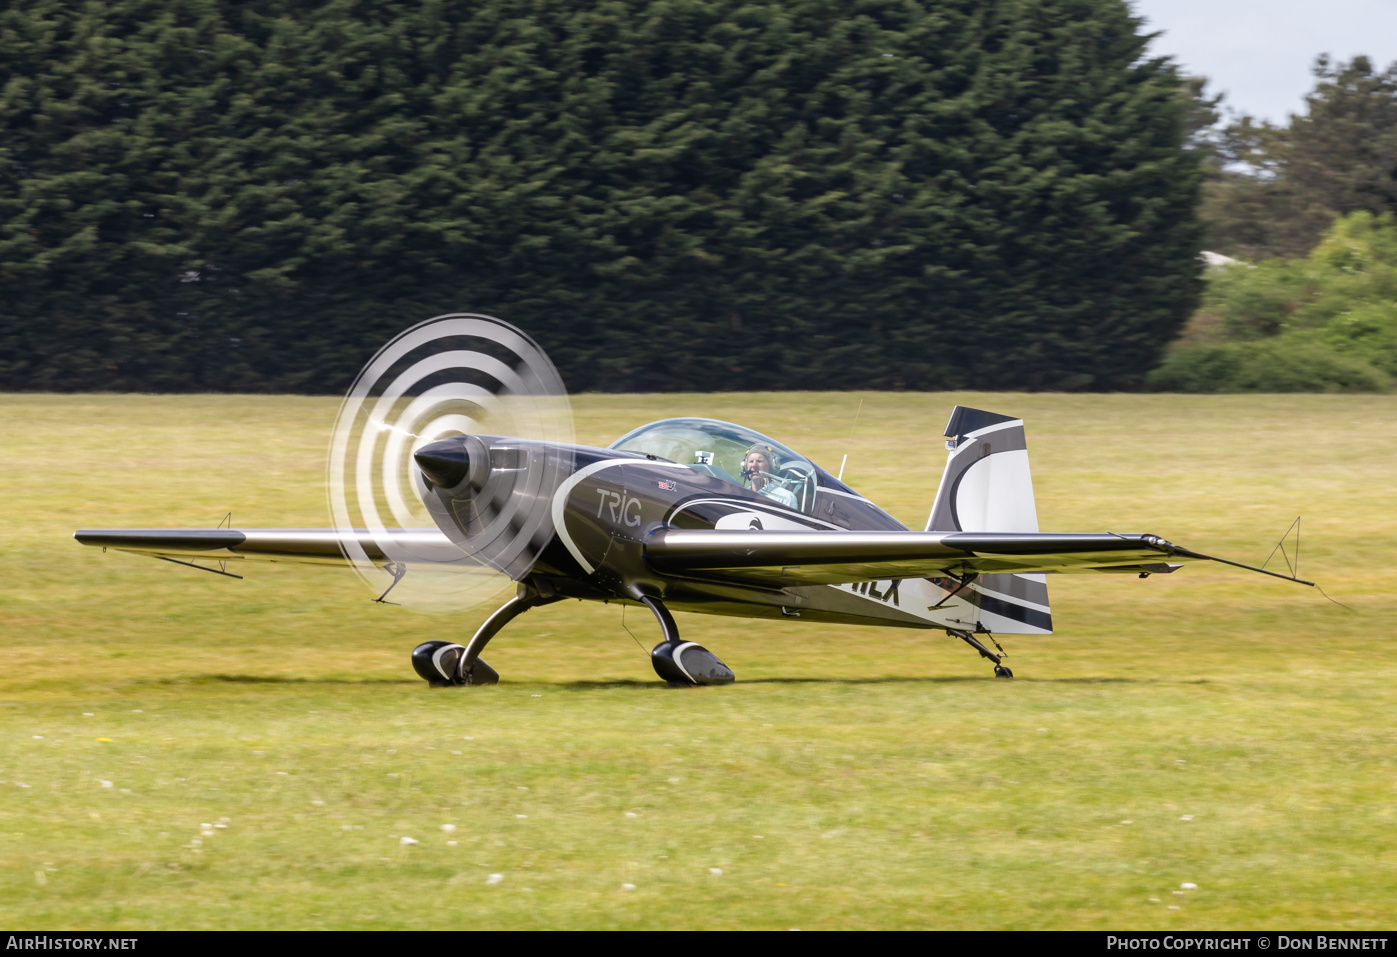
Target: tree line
point(1273, 189)
point(1307, 207)
point(667, 194)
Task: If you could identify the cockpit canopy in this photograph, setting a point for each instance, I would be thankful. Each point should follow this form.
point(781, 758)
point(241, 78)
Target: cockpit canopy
point(721, 449)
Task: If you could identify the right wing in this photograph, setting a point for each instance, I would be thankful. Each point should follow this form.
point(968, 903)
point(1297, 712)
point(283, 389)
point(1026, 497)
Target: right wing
point(314, 546)
point(779, 558)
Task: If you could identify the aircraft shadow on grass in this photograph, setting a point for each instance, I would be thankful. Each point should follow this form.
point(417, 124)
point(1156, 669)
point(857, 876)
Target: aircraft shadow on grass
point(278, 680)
point(586, 684)
point(592, 684)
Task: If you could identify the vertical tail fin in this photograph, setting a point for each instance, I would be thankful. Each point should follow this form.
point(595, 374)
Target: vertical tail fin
point(988, 487)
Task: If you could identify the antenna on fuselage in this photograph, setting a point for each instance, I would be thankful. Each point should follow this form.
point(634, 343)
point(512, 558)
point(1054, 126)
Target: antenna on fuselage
point(844, 461)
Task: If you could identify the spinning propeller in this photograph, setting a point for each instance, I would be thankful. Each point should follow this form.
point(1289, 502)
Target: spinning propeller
point(465, 416)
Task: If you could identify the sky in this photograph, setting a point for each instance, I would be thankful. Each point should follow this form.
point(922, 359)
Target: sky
point(1260, 52)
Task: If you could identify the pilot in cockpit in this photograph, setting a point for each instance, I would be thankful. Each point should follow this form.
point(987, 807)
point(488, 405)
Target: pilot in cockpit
point(759, 467)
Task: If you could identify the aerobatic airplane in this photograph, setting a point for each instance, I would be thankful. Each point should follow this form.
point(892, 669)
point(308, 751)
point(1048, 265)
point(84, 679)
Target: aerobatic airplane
point(452, 470)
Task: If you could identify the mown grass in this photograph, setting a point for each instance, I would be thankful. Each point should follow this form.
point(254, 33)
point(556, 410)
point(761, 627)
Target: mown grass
point(852, 778)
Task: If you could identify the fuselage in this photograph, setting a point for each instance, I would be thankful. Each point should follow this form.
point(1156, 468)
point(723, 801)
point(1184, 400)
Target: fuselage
point(609, 500)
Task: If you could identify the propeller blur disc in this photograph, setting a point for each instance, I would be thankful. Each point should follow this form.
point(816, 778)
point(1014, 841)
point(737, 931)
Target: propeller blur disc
point(453, 375)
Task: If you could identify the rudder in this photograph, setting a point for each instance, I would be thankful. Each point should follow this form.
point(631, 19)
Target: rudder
point(988, 487)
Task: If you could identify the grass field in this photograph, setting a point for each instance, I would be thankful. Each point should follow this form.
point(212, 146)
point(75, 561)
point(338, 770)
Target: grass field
point(179, 750)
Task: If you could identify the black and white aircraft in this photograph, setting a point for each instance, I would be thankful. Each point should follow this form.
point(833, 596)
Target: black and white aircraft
point(452, 472)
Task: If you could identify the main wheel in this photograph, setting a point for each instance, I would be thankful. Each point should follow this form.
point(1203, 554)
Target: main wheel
point(439, 664)
point(687, 664)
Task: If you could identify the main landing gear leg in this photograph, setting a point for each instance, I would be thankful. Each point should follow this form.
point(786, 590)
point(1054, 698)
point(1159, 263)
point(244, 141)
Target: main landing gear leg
point(683, 664)
point(1000, 670)
point(445, 663)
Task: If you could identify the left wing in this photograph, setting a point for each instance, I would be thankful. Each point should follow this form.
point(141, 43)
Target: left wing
point(837, 557)
point(314, 546)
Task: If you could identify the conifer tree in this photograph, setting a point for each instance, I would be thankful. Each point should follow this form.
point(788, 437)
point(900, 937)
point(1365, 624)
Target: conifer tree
point(668, 194)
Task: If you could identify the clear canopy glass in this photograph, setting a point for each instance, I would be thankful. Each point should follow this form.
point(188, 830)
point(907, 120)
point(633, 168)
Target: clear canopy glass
point(731, 453)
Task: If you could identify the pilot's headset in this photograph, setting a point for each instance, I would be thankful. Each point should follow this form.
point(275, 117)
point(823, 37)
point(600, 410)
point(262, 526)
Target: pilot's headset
point(771, 454)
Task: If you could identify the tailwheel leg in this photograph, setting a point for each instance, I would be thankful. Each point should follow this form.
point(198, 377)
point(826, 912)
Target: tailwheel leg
point(683, 664)
point(1000, 670)
point(443, 664)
